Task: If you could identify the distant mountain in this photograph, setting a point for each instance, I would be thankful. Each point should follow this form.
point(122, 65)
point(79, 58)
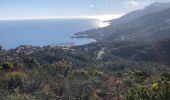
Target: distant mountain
point(155, 7)
point(150, 26)
point(144, 36)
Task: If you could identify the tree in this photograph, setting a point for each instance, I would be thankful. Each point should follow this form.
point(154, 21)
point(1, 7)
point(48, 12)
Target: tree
point(116, 81)
point(156, 91)
point(7, 66)
point(14, 80)
point(62, 67)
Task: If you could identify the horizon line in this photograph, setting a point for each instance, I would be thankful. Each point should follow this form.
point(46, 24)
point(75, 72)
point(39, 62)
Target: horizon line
point(99, 17)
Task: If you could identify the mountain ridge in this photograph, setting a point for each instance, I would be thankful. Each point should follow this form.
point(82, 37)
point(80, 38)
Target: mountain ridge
point(154, 7)
point(149, 26)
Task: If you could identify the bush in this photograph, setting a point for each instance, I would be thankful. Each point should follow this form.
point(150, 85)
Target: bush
point(7, 66)
point(1, 68)
point(20, 97)
point(157, 91)
point(13, 80)
point(165, 76)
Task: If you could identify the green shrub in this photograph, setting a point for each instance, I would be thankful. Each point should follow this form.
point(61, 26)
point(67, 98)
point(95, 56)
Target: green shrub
point(165, 76)
point(7, 66)
point(14, 80)
point(157, 91)
point(20, 97)
point(62, 67)
point(1, 68)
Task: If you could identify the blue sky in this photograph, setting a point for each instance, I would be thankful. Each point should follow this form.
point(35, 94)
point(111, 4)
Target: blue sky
point(60, 8)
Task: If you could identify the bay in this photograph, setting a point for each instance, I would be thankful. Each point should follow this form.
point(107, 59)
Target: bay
point(44, 32)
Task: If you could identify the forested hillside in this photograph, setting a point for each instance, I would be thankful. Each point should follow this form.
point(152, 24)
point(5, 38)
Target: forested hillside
point(124, 71)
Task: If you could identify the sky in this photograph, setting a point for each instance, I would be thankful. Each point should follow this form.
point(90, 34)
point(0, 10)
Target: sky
point(20, 9)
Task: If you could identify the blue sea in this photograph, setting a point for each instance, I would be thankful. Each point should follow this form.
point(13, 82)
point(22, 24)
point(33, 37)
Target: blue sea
point(44, 32)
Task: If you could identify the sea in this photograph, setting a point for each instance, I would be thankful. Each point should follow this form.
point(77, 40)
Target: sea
point(42, 32)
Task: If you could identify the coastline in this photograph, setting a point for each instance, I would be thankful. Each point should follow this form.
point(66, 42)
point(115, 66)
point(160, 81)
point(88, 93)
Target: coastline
point(85, 34)
point(78, 39)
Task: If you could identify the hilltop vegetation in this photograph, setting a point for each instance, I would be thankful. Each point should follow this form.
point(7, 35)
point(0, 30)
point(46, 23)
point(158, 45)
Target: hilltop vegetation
point(32, 73)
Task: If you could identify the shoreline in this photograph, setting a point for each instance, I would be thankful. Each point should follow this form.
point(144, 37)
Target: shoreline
point(85, 34)
point(90, 39)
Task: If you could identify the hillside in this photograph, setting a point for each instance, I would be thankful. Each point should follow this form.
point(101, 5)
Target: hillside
point(57, 73)
point(147, 27)
point(155, 7)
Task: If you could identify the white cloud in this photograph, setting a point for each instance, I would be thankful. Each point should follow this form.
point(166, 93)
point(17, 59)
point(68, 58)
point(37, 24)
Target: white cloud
point(91, 5)
point(134, 3)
